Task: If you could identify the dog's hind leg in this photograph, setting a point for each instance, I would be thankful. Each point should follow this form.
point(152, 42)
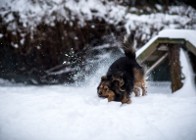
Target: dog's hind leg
point(144, 88)
point(136, 90)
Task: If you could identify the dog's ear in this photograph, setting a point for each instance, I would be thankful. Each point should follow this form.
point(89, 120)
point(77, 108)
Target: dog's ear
point(121, 74)
point(103, 78)
point(119, 80)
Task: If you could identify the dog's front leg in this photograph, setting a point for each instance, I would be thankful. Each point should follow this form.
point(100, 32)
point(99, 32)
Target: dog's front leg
point(125, 99)
point(136, 90)
point(111, 96)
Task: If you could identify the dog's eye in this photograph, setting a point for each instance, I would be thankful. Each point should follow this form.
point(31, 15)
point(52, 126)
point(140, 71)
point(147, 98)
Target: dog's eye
point(106, 88)
point(103, 78)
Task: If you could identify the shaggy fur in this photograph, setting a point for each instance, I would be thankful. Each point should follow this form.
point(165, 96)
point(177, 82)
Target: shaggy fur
point(124, 76)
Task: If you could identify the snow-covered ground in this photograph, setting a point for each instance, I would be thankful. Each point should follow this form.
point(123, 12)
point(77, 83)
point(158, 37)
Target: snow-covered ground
point(76, 113)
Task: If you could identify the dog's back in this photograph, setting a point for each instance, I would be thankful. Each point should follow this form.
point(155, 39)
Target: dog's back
point(123, 69)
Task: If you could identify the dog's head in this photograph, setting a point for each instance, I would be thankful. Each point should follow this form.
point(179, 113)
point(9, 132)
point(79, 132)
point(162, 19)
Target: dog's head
point(104, 90)
point(112, 88)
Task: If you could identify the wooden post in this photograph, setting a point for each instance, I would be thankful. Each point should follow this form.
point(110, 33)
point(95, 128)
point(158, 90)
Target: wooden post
point(175, 67)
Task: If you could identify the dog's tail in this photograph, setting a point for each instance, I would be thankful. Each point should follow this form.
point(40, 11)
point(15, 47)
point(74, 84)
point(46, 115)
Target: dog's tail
point(128, 46)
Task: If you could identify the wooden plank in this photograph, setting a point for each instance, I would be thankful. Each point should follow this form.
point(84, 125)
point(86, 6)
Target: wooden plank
point(162, 47)
point(153, 47)
point(158, 62)
point(155, 55)
point(191, 47)
point(144, 55)
point(172, 40)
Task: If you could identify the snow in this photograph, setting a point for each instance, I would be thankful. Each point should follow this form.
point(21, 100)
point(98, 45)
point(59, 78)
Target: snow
point(1, 35)
point(188, 35)
point(142, 49)
point(75, 112)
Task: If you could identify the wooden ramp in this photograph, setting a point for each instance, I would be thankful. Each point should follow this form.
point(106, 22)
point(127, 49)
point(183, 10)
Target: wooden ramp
point(166, 45)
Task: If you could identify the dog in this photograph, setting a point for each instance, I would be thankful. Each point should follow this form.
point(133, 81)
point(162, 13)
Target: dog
point(124, 76)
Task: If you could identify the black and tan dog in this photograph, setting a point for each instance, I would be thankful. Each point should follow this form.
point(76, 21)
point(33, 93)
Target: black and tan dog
point(124, 76)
